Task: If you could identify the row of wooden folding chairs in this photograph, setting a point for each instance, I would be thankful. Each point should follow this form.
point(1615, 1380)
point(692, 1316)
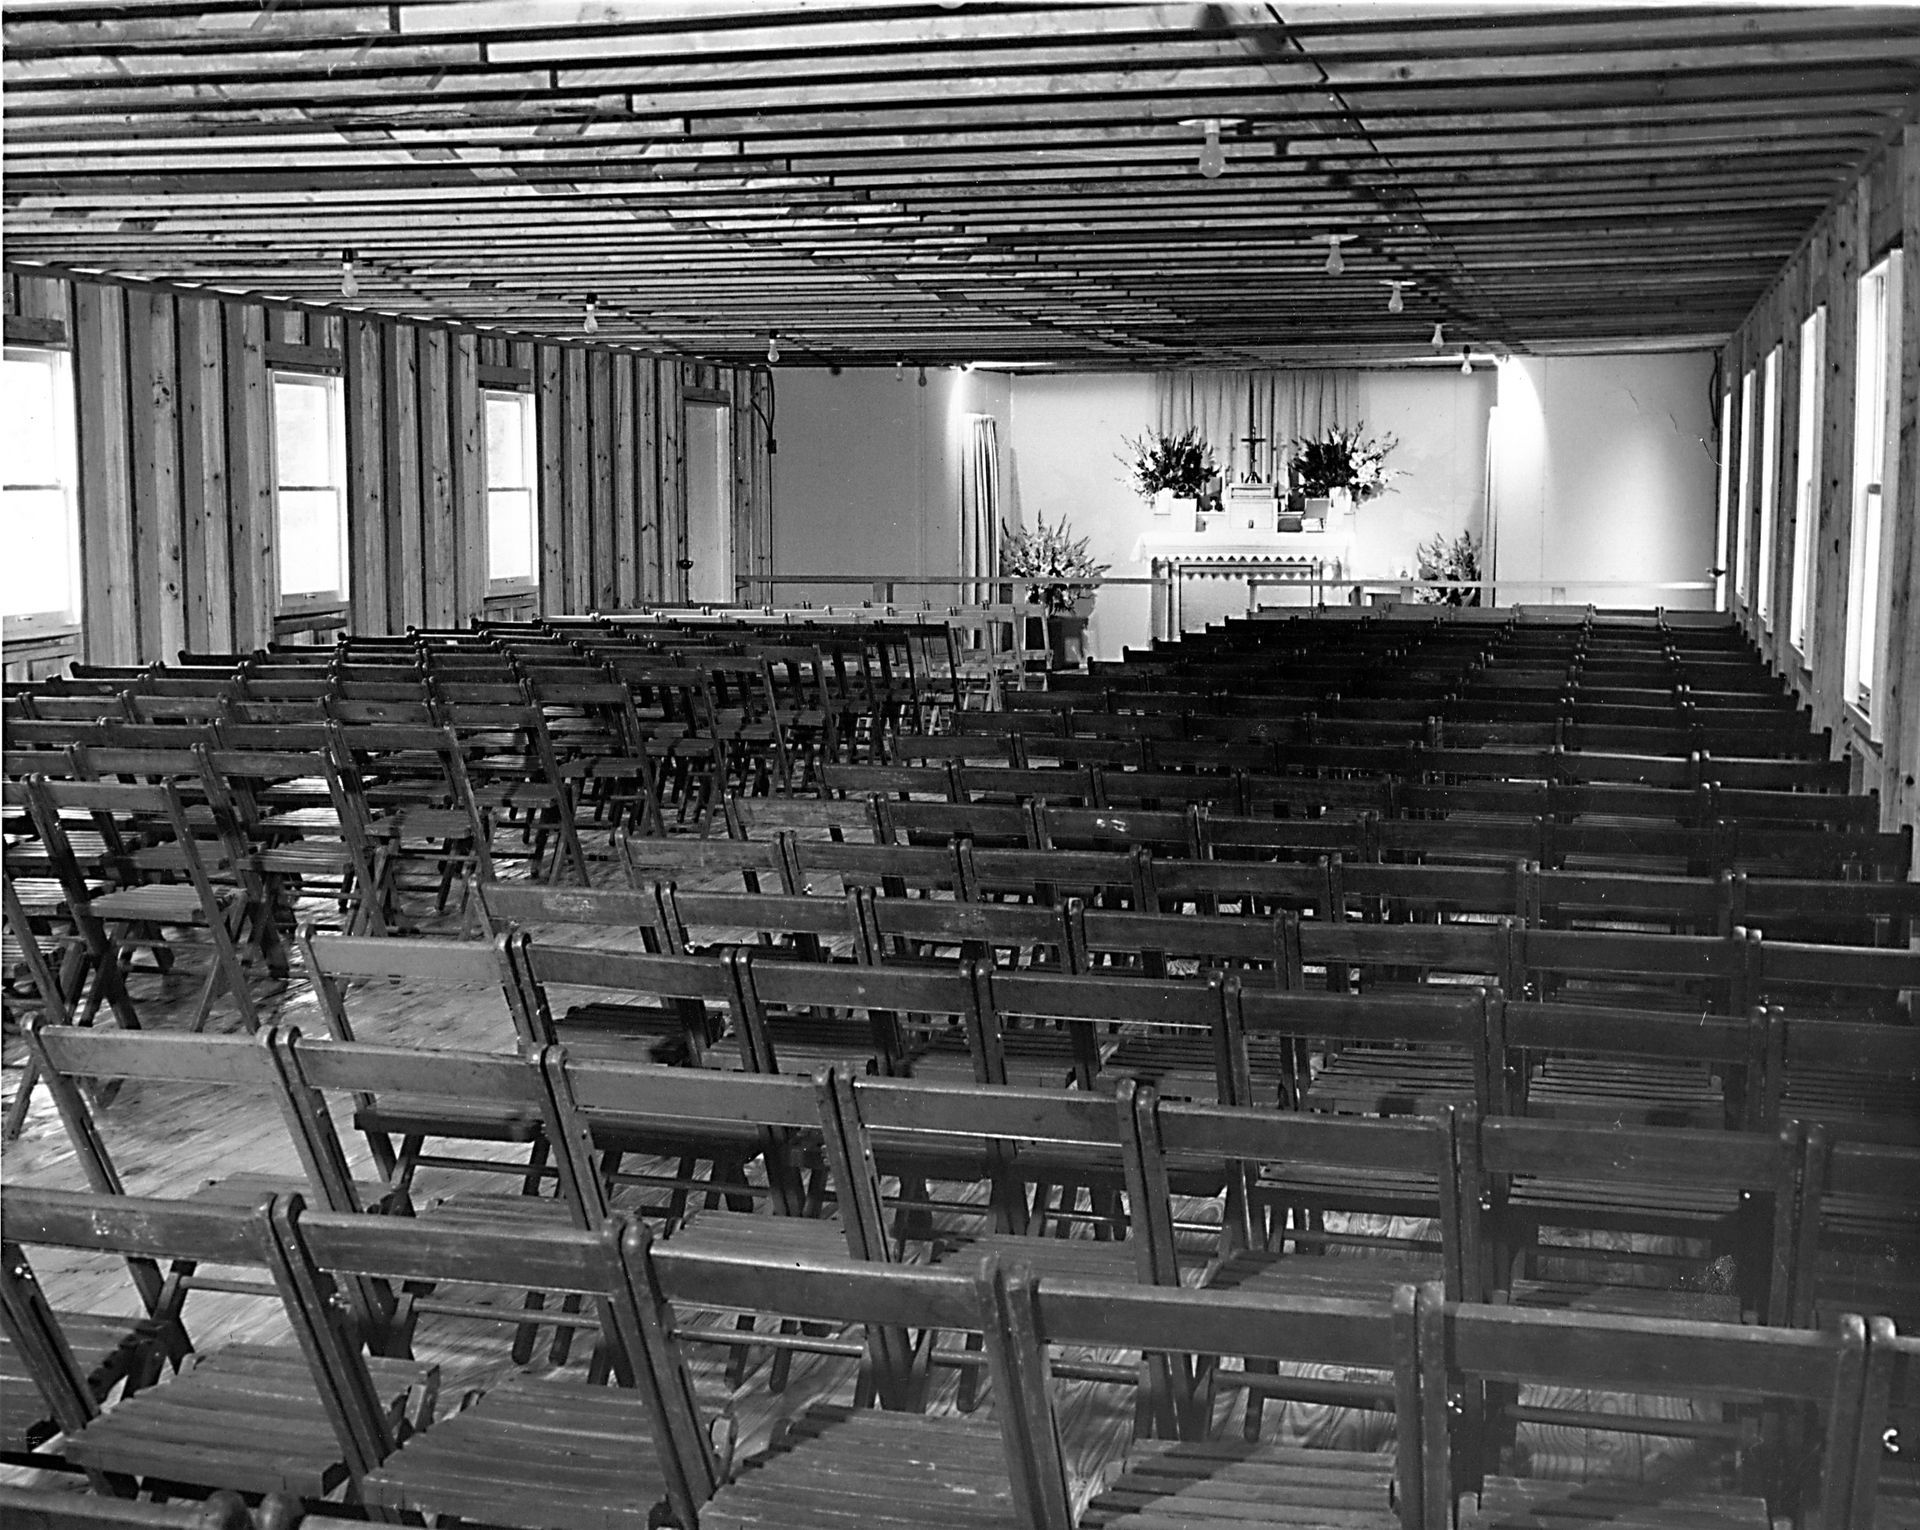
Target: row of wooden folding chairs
point(1467, 690)
point(865, 678)
point(107, 840)
point(1126, 742)
point(1435, 1358)
point(912, 658)
point(1329, 886)
point(1223, 785)
point(1160, 741)
point(1491, 1185)
point(1471, 673)
point(1591, 1048)
point(723, 694)
point(1419, 724)
point(1199, 831)
point(619, 742)
point(1512, 636)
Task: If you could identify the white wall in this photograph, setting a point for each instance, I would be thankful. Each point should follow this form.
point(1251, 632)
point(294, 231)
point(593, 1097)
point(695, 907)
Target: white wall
point(1063, 458)
point(867, 478)
point(1602, 472)
point(1068, 454)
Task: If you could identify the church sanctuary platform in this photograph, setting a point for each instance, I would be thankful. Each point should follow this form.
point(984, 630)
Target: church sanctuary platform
point(1012, 767)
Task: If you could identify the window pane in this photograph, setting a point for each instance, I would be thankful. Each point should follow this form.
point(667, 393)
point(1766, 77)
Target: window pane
point(1879, 301)
point(509, 534)
point(1724, 519)
point(1769, 483)
point(36, 576)
point(506, 461)
point(301, 442)
point(1743, 537)
point(33, 433)
point(1869, 594)
point(310, 542)
point(1806, 494)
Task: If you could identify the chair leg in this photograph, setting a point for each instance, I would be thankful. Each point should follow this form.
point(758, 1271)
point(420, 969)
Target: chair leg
point(220, 927)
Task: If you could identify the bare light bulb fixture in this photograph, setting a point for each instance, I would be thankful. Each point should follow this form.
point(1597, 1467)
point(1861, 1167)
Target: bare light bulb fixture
point(1466, 362)
point(899, 371)
point(590, 320)
point(1336, 263)
point(773, 348)
point(349, 283)
point(1395, 302)
point(1439, 336)
point(923, 377)
point(1213, 160)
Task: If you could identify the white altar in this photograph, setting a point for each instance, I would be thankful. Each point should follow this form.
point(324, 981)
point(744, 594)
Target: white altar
point(1258, 559)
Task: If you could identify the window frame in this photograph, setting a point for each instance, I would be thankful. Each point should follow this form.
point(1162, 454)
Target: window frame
point(1872, 486)
point(1743, 538)
point(528, 403)
point(307, 602)
point(1723, 521)
point(58, 621)
point(1809, 457)
point(1769, 487)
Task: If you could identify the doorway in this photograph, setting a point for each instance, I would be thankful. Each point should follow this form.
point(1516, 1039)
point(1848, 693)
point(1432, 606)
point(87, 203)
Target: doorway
point(709, 456)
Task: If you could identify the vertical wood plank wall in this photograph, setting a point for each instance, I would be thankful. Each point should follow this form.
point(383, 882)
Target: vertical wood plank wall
point(176, 466)
point(1879, 212)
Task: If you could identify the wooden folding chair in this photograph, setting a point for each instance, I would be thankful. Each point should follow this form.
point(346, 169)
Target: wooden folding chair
point(1792, 1456)
point(146, 833)
point(244, 1416)
point(539, 1452)
point(1653, 1220)
point(1363, 1351)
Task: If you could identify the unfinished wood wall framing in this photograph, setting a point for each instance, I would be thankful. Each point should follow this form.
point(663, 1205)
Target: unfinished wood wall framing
point(173, 409)
point(1879, 212)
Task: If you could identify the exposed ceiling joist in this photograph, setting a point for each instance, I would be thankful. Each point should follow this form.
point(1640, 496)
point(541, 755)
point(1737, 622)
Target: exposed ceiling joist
point(944, 182)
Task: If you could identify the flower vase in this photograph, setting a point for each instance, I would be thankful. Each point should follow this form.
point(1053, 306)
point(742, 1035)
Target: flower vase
point(1161, 502)
point(1340, 500)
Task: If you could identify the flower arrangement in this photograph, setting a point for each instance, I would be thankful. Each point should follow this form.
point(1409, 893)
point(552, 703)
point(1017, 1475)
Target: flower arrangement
point(1441, 559)
point(1344, 458)
point(1055, 564)
point(1179, 464)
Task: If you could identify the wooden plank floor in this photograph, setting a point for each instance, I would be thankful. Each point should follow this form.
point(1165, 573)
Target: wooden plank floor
point(168, 1140)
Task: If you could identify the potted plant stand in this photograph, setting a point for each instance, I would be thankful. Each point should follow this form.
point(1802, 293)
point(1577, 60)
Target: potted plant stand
point(1067, 640)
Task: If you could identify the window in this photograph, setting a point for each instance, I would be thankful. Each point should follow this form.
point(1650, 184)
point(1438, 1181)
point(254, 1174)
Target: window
point(1722, 522)
point(310, 487)
point(1872, 473)
point(1769, 483)
point(1806, 492)
point(40, 584)
point(513, 505)
point(1746, 486)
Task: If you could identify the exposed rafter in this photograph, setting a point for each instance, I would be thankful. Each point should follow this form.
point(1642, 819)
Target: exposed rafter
point(958, 182)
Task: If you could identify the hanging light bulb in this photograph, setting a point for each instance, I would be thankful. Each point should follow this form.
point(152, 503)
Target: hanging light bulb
point(1466, 362)
point(1439, 336)
point(899, 370)
point(1212, 160)
point(773, 347)
point(1395, 303)
point(923, 377)
point(349, 283)
point(1336, 263)
point(590, 320)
